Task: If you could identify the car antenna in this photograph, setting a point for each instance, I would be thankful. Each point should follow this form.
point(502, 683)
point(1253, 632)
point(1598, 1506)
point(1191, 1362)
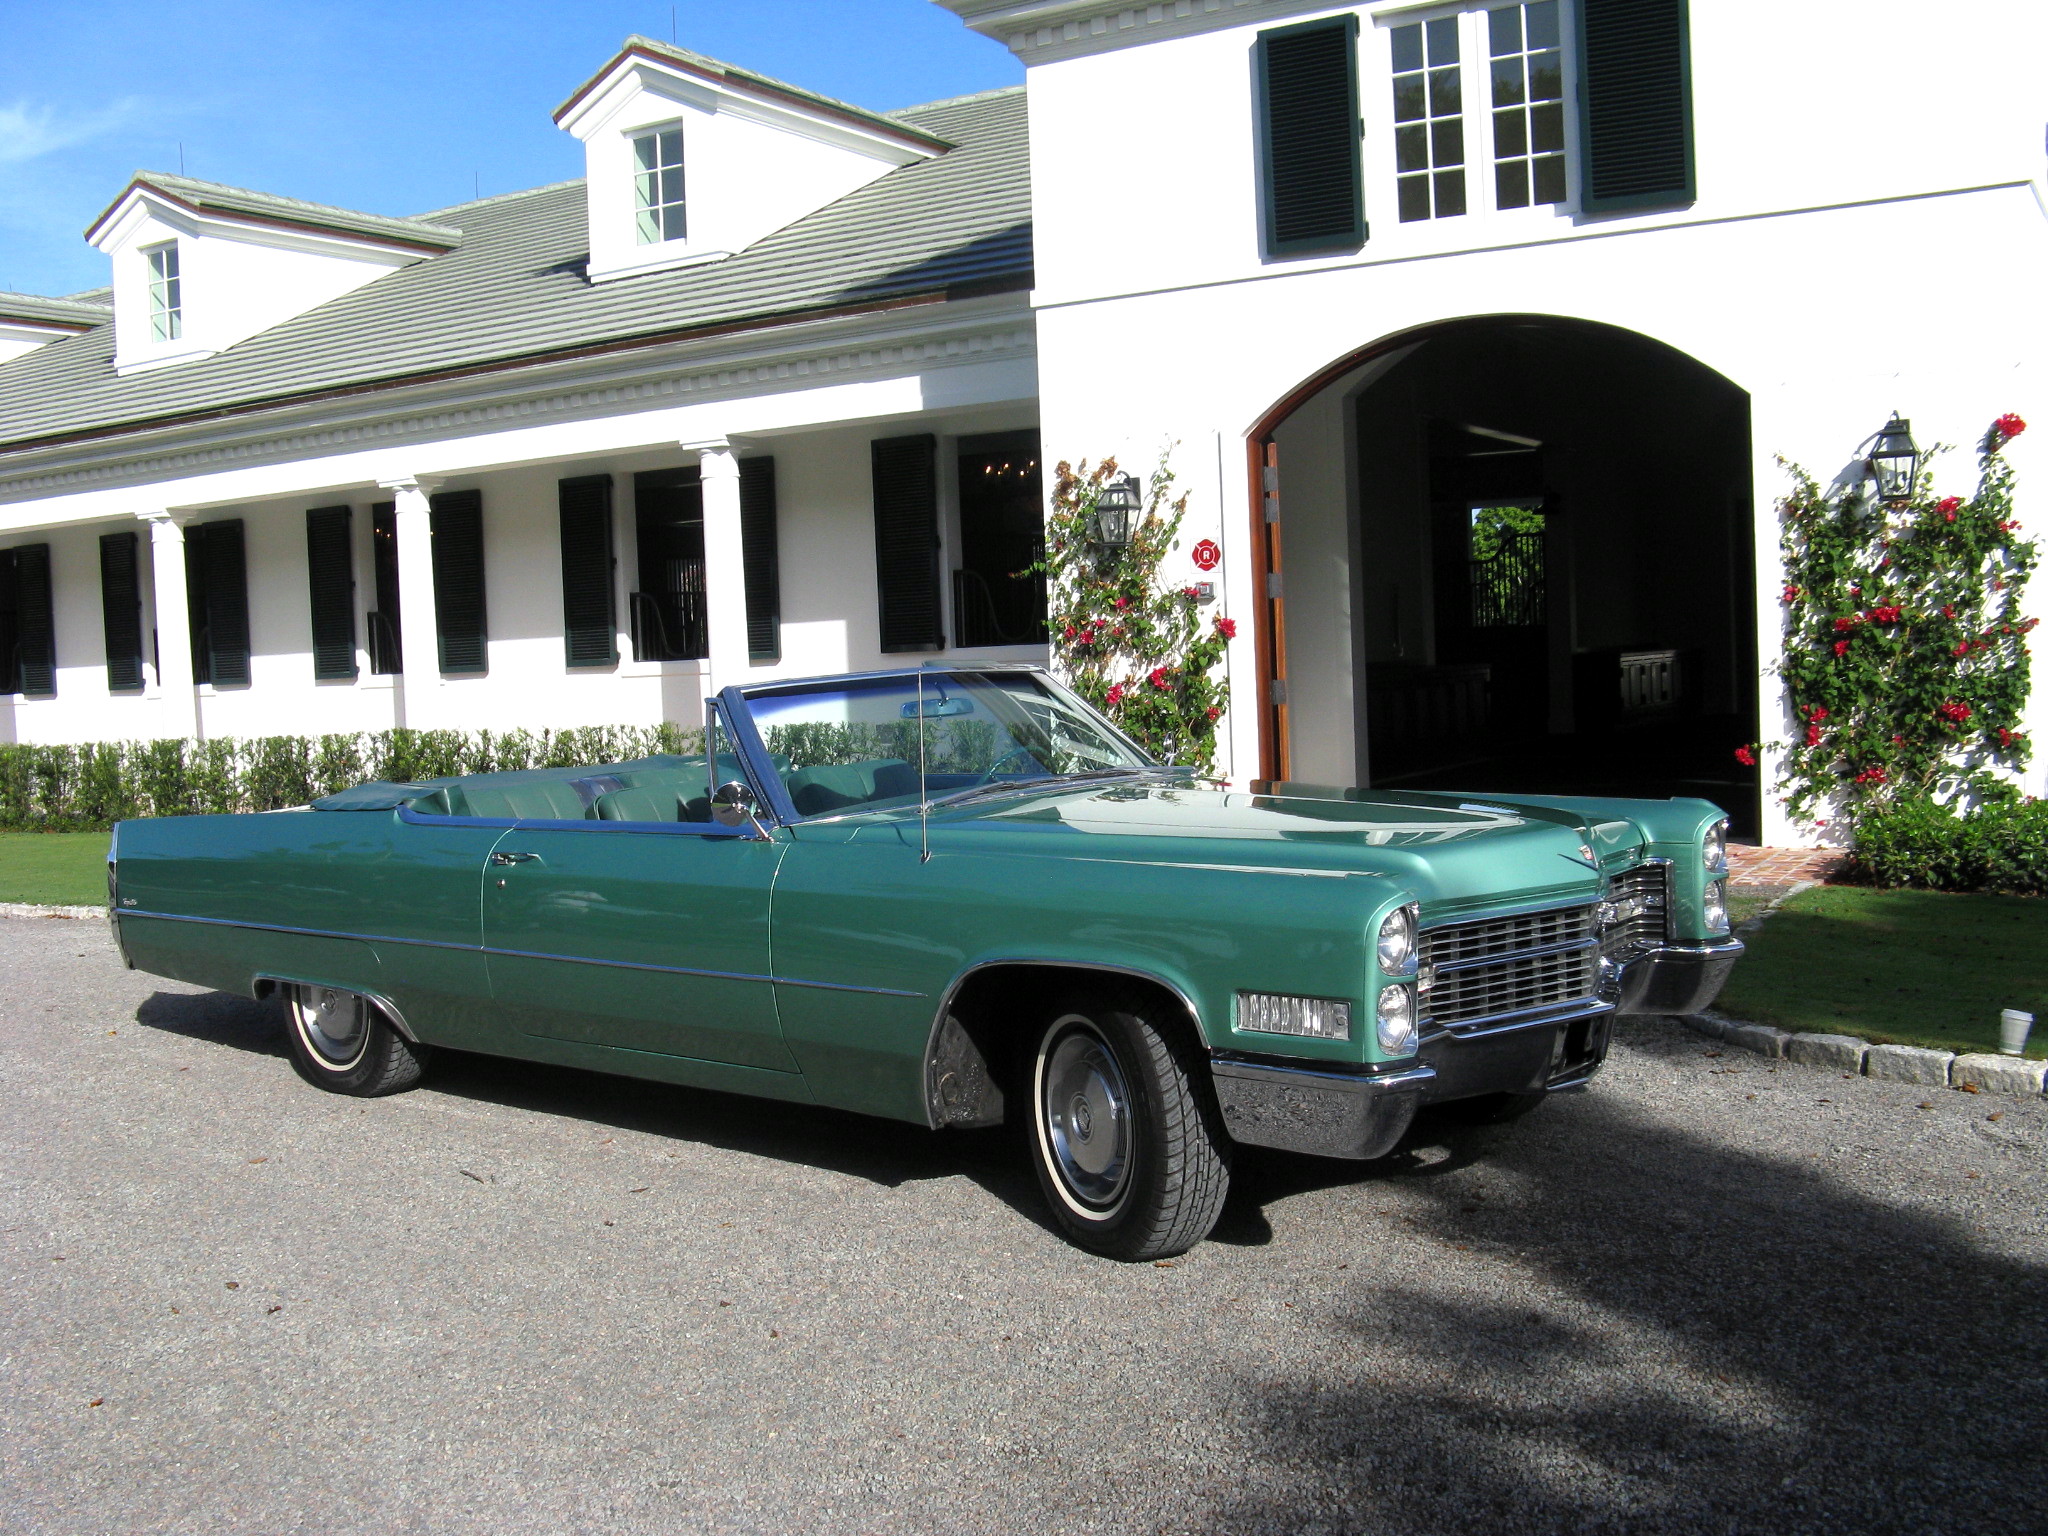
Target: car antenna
point(924, 797)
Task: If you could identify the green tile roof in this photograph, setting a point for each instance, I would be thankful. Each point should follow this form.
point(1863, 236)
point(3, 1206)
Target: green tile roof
point(34, 309)
point(514, 290)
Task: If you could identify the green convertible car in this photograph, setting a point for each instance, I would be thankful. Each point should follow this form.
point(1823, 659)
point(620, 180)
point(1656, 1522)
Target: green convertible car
point(957, 897)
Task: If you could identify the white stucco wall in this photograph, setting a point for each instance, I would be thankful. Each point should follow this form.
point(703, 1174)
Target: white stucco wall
point(1853, 252)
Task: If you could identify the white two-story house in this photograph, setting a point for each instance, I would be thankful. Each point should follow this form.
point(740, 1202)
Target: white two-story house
point(1475, 332)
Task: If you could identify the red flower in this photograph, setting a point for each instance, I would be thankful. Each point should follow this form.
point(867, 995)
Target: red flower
point(1746, 756)
point(1898, 741)
point(1791, 593)
point(1161, 679)
point(1818, 712)
point(2008, 426)
point(1214, 713)
point(1227, 628)
point(1872, 776)
point(1841, 647)
point(1122, 603)
point(1949, 504)
point(1888, 614)
point(1948, 610)
point(1116, 694)
point(2005, 737)
point(1954, 713)
point(1190, 592)
point(1950, 516)
point(1961, 650)
point(1842, 625)
point(1813, 735)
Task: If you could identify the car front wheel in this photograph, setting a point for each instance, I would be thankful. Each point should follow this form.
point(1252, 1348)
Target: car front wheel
point(341, 1041)
point(1126, 1138)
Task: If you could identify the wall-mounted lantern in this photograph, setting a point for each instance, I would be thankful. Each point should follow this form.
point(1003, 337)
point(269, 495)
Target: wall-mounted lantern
point(1895, 460)
point(1117, 507)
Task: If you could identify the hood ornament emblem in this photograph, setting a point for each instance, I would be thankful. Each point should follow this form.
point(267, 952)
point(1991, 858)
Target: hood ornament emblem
point(1583, 856)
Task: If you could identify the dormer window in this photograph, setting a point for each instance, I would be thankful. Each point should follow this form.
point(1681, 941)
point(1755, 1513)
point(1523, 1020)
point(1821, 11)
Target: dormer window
point(763, 154)
point(658, 185)
point(166, 294)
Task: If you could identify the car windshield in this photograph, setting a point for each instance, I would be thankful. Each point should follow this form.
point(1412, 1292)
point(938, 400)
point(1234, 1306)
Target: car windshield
point(856, 742)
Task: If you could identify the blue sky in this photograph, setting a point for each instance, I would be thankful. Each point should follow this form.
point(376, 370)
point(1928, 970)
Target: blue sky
point(391, 106)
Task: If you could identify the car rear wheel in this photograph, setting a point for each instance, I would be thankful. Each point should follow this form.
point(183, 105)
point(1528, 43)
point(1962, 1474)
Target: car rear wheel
point(341, 1041)
point(1126, 1138)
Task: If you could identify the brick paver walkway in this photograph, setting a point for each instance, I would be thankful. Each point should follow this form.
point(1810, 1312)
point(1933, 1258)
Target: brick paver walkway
point(1782, 866)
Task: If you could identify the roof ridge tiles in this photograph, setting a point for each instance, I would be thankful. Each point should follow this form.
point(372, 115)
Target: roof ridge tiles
point(500, 197)
point(740, 75)
point(960, 101)
point(225, 201)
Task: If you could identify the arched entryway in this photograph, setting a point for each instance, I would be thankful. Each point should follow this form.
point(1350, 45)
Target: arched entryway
point(1510, 553)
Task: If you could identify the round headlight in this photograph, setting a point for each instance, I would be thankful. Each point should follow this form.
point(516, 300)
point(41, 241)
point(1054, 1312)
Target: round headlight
point(1714, 850)
point(1715, 906)
point(1397, 1020)
point(1397, 941)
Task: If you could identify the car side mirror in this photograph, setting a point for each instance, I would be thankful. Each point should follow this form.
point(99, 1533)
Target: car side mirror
point(732, 804)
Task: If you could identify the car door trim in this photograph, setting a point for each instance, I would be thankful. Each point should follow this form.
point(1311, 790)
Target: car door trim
point(519, 954)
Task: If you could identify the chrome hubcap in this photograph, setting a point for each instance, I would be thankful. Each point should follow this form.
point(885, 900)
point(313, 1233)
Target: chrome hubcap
point(1087, 1117)
point(335, 1023)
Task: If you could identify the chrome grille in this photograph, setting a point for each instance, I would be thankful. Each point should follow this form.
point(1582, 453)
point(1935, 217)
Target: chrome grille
point(1500, 966)
point(1641, 901)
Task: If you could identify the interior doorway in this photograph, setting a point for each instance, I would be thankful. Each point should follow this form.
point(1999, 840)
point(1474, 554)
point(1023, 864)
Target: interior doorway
point(1551, 583)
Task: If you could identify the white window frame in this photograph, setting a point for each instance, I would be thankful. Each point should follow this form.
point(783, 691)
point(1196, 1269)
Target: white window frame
point(656, 133)
point(166, 287)
point(1482, 222)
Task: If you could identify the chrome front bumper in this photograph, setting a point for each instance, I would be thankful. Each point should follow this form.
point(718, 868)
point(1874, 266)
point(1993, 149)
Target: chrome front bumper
point(1329, 1112)
point(1676, 978)
point(1326, 1113)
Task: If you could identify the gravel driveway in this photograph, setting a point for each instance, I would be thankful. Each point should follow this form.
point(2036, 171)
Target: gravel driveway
point(1709, 1294)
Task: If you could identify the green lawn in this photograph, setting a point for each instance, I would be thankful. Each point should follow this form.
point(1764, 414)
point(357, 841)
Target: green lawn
point(58, 869)
point(1909, 967)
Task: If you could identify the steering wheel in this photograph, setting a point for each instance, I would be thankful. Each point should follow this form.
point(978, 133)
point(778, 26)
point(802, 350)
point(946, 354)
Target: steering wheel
point(995, 767)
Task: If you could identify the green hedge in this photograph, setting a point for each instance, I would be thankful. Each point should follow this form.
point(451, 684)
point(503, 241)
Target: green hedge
point(96, 783)
point(1999, 847)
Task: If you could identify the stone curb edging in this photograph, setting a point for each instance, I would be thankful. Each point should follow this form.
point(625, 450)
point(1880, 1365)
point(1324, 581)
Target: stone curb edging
point(1969, 1073)
point(31, 909)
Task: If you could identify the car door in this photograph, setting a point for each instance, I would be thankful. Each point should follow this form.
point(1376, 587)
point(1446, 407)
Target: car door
point(639, 937)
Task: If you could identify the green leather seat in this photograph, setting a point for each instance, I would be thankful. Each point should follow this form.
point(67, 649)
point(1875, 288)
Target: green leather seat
point(637, 805)
point(536, 800)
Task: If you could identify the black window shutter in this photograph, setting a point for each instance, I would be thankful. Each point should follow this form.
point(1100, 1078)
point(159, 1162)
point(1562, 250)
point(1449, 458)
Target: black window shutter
point(1635, 105)
point(331, 585)
point(761, 558)
point(10, 627)
point(195, 602)
point(458, 520)
point(227, 604)
point(1311, 189)
point(907, 542)
point(35, 618)
point(121, 610)
point(590, 615)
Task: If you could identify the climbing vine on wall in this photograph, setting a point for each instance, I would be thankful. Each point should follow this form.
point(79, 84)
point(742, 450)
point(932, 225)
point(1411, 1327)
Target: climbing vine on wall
point(1141, 652)
point(1906, 656)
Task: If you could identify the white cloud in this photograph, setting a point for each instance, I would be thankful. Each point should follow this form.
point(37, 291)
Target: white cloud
point(29, 131)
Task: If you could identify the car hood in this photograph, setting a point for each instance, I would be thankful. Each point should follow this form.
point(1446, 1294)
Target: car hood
point(1450, 853)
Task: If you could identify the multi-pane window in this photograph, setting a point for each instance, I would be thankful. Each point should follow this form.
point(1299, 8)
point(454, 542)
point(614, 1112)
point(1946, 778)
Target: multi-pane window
point(658, 185)
point(1429, 120)
point(166, 294)
point(1527, 88)
point(1478, 111)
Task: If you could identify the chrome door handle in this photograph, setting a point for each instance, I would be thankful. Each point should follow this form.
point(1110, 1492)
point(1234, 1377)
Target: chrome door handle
point(515, 858)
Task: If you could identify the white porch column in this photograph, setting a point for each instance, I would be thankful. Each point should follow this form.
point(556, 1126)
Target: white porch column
point(419, 630)
point(725, 570)
point(180, 715)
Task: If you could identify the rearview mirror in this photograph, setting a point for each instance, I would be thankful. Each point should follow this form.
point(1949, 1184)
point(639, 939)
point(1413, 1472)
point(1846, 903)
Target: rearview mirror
point(938, 709)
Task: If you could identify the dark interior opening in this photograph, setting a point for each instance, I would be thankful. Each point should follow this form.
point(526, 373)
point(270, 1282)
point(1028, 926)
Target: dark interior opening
point(1002, 531)
point(1554, 567)
point(668, 616)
